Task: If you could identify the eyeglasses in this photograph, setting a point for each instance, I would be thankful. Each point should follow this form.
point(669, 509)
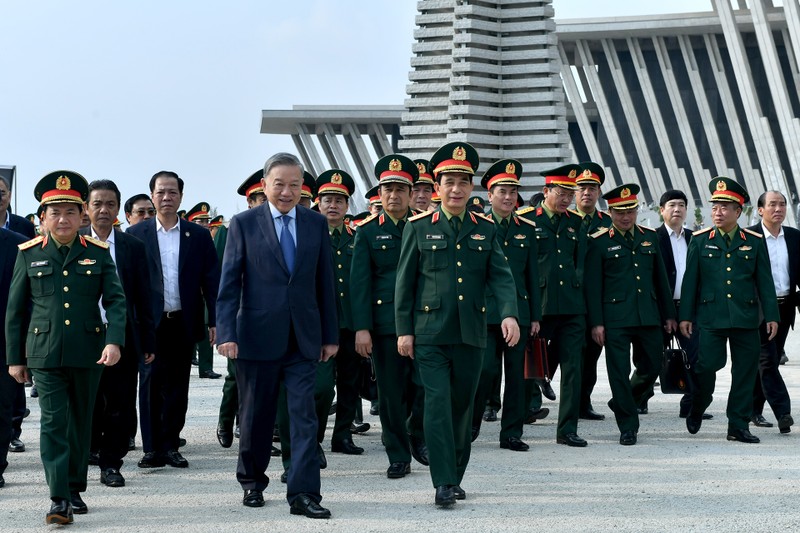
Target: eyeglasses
point(143, 212)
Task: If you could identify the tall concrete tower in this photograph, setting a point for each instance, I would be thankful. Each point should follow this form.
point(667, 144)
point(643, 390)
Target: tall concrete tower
point(487, 72)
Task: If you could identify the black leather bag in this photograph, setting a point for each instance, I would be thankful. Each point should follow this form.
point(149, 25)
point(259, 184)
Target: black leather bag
point(675, 370)
point(368, 387)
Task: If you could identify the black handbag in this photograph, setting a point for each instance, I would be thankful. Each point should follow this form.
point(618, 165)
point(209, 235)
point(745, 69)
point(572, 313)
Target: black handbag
point(675, 369)
point(368, 387)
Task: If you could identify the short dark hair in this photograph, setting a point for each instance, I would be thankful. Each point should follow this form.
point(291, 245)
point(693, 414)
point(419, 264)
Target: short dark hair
point(104, 185)
point(165, 174)
point(133, 199)
point(672, 194)
point(763, 197)
point(536, 199)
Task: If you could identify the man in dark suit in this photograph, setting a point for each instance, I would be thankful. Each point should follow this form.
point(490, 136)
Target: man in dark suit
point(783, 244)
point(278, 276)
point(8, 386)
point(183, 253)
point(116, 397)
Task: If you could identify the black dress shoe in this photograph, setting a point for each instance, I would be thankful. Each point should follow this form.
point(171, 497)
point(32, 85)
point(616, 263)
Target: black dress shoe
point(514, 444)
point(419, 450)
point(476, 430)
point(60, 512)
point(445, 497)
point(151, 460)
point(285, 476)
point(536, 414)
point(94, 458)
point(34, 392)
point(760, 421)
point(591, 414)
point(276, 434)
point(359, 428)
point(78, 505)
point(304, 505)
point(373, 409)
point(628, 438)
point(110, 477)
point(742, 435)
point(346, 447)
point(547, 390)
point(706, 416)
point(253, 498)
point(224, 436)
point(785, 423)
point(571, 439)
point(181, 442)
point(175, 459)
point(490, 415)
point(459, 492)
point(398, 470)
point(274, 452)
point(642, 410)
point(323, 461)
point(693, 423)
point(131, 444)
point(16, 445)
point(210, 374)
point(195, 362)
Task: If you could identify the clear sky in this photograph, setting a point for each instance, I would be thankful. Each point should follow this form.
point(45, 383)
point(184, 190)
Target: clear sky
point(120, 90)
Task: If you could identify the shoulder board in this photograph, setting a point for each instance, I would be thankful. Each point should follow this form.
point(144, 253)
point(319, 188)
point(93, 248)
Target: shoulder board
point(753, 233)
point(96, 242)
point(525, 210)
point(648, 228)
point(526, 221)
point(701, 231)
point(28, 244)
point(575, 212)
point(368, 219)
point(487, 218)
point(421, 216)
point(599, 232)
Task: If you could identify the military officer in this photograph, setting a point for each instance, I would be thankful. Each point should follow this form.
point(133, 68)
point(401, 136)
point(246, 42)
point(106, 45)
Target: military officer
point(589, 181)
point(476, 204)
point(448, 258)
point(309, 189)
point(422, 190)
point(516, 237)
point(375, 258)
point(373, 197)
point(629, 298)
point(727, 285)
point(57, 282)
point(562, 249)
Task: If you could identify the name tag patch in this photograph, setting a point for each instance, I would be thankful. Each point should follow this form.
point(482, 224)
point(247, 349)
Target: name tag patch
point(712, 246)
point(383, 237)
point(430, 237)
point(39, 263)
point(614, 248)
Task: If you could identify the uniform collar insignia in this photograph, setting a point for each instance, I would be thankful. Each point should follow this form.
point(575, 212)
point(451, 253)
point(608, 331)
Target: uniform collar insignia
point(611, 232)
point(435, 218)
point(382, 219)
point(711, 235)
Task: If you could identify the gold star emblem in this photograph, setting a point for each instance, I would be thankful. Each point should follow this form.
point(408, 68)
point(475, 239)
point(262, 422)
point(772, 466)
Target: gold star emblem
point(336, 178)
point(511, 168)
point(395, 165)
point(63, 183)
point(459, 154)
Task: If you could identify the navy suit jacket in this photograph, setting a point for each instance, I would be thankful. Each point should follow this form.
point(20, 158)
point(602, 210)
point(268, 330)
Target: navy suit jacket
point(198, 274)
point(8, 256)
point(21, 225)
point(259, 299)
point(666, 252)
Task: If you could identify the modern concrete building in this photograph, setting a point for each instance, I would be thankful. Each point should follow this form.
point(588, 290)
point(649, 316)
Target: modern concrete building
point(664, 101)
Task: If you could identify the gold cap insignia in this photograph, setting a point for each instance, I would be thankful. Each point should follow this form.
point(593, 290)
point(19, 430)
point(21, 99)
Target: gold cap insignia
point(625, 193)
point(421, 167)
point(587, 173)
point(459, 154)
point(476, 201)
point(721, 186)
point(336, 178)
point(203, 208)
point(395, 165)
point(63, 183)
point(572, 174)
point(511, 168)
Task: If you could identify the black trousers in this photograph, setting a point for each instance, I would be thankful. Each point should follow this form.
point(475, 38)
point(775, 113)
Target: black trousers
point(7, 392)
point(348, 378)
point(169, 386)
point(769, 386)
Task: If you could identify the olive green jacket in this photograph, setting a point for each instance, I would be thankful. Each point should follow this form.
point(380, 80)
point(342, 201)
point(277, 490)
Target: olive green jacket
point(342, 259)
point(600, 219)
point(442, 278)
point(61, 297)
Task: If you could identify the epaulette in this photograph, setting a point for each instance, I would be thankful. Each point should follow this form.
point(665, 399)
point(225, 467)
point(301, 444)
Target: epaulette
point(368, 219)
point(701, 231)
point(485, 217)
point(575, 212)
point(525, 220)
point(33, 242)
point(751, 232)
point(421, 216)
point(648, 228)
point(599, 232)
point(96, 242)
point(525, 210)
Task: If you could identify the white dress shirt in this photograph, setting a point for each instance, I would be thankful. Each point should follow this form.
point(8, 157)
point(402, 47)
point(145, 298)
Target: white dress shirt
point(278, 222)
point(779, 260)
point(169, 247)
point(679, 251)
point(113, 251)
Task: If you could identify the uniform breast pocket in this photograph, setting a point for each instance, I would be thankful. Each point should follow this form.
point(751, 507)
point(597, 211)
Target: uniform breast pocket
point(88, 279)
point(42, 281)
point(435, 254)
point(746, 259)
point(480, 246)
point(386, 252)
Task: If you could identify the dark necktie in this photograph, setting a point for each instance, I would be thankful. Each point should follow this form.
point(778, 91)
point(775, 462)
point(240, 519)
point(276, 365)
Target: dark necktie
point(64, 251)
point(336, 238)
point(455, 222)
point(401, 224)
point(629, 237)
point(727, 239)
point(287, 243)
point(587, 220)
point(556, 219)
point(504, 224)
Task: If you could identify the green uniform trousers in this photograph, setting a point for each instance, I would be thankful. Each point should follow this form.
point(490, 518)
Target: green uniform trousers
point(66, 398)
point(401, 397)
point(348, 378)
point(513, 361)
point(565, 337)
point(205, 354)
point(229, 405)
point(745, 346)
point(450, 375)
point(628, 393)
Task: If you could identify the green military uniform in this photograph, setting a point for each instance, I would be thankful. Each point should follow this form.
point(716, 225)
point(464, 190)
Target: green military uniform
point(516, 237)
point(727, 286)
point(628, 293)
point(562, 244)
point(446, 264)
point(56, 288)
point(376, 255)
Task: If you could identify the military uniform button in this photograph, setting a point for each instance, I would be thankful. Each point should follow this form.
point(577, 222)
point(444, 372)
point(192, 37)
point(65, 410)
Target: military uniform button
point(379, 302)
point(427, 308)
point(341, 280)
point(340, 266)
point(460, 296)
point(483, 309)
point(338, 252)
point(558, 251)
point(728, 269)
point(97, 330)
point(341, 294)
point(65, 272)
point(639, 290)
point(432, 247)
point(458, 246)
point(505, 243)
point(727, 255)
point(729, 296)
point(36, 331)
point(633, 253)
point(729, 282)
point(636, 264)
point(66, 289)
point(480, 248)
point(66, 322)
point(638, 278)
point(383, 247)
point(505, 257)
point(458, 263)
point(66, 305)
point(460, 280)
point(560, 266)
point(525, 297)
point(39, 274)
point(710, 255)
point(88, 272)
point(560, 282)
